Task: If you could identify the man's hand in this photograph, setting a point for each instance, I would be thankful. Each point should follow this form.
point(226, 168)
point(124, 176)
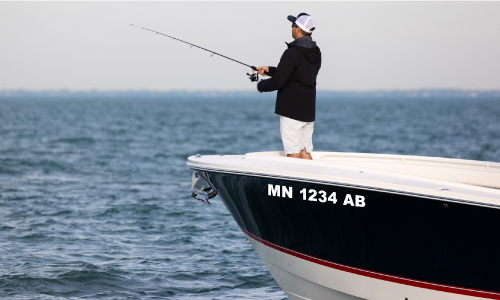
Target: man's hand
point(258, 88)
point(262, 69)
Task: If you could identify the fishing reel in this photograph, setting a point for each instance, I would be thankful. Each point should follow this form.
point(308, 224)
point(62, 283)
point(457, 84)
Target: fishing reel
point(253, 77)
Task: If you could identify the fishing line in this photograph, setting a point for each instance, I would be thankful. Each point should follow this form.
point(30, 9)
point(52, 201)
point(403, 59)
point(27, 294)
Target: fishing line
point(253, 77)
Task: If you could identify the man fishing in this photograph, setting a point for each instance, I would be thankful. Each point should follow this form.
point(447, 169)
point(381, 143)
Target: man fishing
point(295, 80)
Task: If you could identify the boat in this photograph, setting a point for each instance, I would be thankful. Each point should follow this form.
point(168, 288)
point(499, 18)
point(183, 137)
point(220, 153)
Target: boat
point(364, 226)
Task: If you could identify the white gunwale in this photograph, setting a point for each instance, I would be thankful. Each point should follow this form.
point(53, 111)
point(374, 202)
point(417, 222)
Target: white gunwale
point(440, 178)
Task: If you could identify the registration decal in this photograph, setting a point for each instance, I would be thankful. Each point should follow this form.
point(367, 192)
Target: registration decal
point(276, 190)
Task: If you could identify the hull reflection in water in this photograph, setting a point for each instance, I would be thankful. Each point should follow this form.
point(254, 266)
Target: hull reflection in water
point(365, 226)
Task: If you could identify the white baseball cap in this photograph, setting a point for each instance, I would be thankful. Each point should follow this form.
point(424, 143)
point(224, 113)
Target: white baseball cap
point(304, 21)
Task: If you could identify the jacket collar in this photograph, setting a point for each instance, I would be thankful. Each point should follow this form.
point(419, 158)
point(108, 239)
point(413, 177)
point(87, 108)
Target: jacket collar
point(304, 41)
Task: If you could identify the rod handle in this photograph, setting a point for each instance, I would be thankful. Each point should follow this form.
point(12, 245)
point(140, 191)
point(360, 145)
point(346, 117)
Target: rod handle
point(255, 69)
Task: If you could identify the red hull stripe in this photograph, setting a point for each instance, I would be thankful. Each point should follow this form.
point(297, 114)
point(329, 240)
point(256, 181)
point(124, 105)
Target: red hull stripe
point(381, 276)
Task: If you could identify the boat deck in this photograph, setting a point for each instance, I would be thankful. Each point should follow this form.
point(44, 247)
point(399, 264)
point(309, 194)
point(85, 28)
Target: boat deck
point(478, 173)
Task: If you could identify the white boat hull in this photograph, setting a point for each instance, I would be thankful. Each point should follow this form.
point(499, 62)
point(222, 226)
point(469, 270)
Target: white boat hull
point(302, 279)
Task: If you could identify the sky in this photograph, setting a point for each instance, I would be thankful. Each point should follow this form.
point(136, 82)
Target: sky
point(365, 45)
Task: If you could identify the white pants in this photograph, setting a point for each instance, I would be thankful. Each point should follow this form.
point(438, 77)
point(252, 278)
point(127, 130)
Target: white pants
point(296, 135)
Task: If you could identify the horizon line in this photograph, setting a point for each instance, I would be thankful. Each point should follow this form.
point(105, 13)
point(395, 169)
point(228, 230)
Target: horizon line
point(243, 90)
point(245, 94)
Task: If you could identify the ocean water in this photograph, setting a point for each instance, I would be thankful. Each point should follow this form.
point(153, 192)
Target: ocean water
point(94, 194)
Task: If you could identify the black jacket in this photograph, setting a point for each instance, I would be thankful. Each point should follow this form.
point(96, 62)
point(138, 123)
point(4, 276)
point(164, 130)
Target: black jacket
point(295, 80)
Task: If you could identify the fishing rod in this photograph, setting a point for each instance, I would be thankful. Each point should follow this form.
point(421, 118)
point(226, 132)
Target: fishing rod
point(253, 77)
